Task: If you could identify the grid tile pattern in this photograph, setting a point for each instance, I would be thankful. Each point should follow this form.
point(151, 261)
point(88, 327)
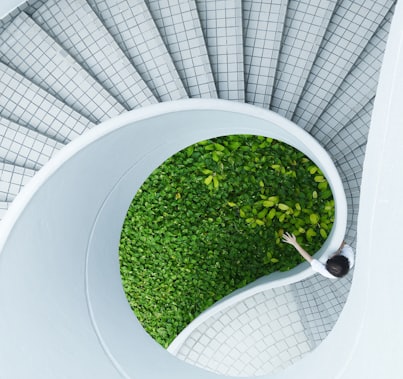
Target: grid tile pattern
point(29, 6)
point(320, 302)
point(221, 21)
point(269, 331)
point(358, 87)
point(25, 147)
point(7, 20)
point(54, 70)
point(29, 105)
point(4, 205)
point(350, 168)
point(260, 335)
point(263, 23)
point(132, 27)
point(305, 27)
point(351, 27)
point(353, 135)
point(74, 25)
point(179, 26)
point(12, 179)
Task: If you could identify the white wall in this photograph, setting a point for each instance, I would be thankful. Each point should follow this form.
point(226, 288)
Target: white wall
point(62, 304)
point(6, 6)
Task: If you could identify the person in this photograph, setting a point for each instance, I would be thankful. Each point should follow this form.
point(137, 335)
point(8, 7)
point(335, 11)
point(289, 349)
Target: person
point(337, 266)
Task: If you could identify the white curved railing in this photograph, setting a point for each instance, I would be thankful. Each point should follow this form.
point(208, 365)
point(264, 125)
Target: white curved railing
point(54, 323)
point(8, 6)
point(65, 227)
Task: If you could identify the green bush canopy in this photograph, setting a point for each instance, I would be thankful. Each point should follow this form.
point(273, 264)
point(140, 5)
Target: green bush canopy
point(209, 220)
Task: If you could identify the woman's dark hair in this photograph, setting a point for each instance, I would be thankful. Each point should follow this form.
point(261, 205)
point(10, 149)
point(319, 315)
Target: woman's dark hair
point(338, 265)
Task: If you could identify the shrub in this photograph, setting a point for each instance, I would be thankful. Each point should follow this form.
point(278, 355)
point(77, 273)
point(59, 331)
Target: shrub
point(209, 220)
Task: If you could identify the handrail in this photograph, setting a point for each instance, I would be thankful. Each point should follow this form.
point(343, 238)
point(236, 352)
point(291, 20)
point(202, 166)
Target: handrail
point(65, 227)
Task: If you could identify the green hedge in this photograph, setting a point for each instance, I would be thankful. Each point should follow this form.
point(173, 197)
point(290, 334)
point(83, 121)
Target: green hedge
point(209, 221)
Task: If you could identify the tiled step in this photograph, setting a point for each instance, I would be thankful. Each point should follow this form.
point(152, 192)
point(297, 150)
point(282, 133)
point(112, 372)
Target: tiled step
point(263, 23)
point(54, 70)
point(350, 169)
point(305, 26)
point(353, 134)
point(361, 81)
point(320, 302)
point(78, 30)
point(25, 147)
point(352, 25)
point(12, 179)
point(259, 335)
point(131, 25)
point(179, 25)
point(4, 205)
point(221, 21)
point(26, 104)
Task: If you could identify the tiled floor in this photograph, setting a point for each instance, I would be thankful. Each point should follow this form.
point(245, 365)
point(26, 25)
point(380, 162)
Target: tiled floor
point(267, 332)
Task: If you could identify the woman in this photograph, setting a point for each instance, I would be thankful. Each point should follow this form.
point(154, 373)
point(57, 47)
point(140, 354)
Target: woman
point(338, 265)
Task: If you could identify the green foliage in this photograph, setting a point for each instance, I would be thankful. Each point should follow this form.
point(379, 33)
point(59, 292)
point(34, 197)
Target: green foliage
point(210, 220)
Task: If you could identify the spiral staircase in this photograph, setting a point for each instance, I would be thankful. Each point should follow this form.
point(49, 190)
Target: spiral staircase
point(68, 66)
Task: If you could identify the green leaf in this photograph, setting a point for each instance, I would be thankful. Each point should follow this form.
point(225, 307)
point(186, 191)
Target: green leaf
point(283, 207)
point(268, 203)
point(208, 180)
point(319, 178)
point(314, 218)
point(274, 199)
point(310, 233)
point(322, 185)
point(207, 172)
point(262, 213)
point(219, 147)
point(272, 213)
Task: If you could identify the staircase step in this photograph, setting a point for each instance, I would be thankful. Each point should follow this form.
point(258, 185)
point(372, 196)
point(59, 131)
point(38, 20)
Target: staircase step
point(12, 179)
point(353, 135)
point(305, 27)
point(361, 81)
point(54, 70)
point(351, 27)
point(179, 25)
point(253, 332)
point(25, 147)
point(352, 164)
point(26, 104)
point(134, 30)
point(221, 21)
point(4, 205)
point(78, 30)
point(263, 23)
point(320, 302)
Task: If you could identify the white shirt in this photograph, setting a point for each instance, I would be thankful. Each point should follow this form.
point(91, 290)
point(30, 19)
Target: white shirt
point(347, 251)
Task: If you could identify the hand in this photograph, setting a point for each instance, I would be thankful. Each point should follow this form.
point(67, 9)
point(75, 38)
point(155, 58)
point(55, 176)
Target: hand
point(290, 238)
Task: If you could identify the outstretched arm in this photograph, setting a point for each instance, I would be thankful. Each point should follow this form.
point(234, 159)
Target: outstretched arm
point(291, 239)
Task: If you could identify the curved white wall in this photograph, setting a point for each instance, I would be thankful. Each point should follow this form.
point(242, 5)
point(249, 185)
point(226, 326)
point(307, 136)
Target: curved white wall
point(63, 310)
point(8, 6)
